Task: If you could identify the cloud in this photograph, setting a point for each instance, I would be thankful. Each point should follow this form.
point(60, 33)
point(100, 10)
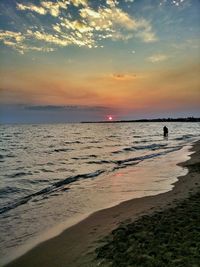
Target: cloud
point(119, 23)
point(74, 25)
point(188, 44)
point(109, 18)
point(53, 8)
point(23, 113)
point(89, 27)
point(37, 9)
point(177, 3)
point(16, 41)
point(157, 58)
point(11, 36)
point(50, 7)
point(147, 36)
point(45, 108)
point(123, 77)
point(49, 38)
point(64, 108)
point(79, 2)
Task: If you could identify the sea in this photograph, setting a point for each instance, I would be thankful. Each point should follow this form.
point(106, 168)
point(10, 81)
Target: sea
point(55, 175)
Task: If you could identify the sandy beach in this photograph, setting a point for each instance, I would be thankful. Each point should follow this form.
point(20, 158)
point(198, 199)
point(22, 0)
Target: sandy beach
point(76, 245)
point(99, 133)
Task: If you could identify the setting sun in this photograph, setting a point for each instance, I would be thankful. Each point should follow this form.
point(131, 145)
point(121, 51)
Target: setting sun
point(99, 116)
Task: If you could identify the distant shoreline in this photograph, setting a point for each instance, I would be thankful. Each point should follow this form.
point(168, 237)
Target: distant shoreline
point(189, 119)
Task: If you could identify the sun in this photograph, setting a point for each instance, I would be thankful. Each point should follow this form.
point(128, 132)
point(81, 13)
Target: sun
point(110, 117)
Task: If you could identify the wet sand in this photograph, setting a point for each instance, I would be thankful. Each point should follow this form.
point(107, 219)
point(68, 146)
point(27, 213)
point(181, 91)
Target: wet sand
point(76, 245)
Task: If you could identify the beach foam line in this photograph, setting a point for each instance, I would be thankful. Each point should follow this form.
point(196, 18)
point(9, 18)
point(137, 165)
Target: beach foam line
point(185, 137)
point(57, 185)
point(153, 146)
point(50, 189)
point(121, 162)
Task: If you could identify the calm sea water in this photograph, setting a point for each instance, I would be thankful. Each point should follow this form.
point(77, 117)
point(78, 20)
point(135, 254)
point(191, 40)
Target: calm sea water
point(51, 176)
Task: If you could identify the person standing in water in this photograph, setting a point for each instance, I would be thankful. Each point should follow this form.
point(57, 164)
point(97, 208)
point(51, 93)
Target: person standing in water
point(165, 131)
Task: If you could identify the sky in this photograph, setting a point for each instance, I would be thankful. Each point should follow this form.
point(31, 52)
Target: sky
point(83, 60)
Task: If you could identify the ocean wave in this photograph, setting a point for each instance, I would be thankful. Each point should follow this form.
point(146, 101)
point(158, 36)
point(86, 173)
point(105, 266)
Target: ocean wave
point(126, 164)
point(47, 190)
point(72, 142)
point(8, 190)
point(141, 141)
point(50, 163)
point(62, 149)
point(184, 137)
point(136, 160)
point(60, 184)
point(38, 181)
point(3, 149)
point(45, 170)
point(18, 174)
point(64, 170)
point(99, 161)
point(80, 158)
point(142, 147)
point(48, 136)
point(90, 147)
point(151, 147)
point(10, 156)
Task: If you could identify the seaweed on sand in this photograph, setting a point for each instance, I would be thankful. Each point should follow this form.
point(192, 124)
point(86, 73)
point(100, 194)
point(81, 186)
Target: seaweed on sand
point(169, 238)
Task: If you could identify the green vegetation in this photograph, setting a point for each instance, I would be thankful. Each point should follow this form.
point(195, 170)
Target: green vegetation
point(170, 238)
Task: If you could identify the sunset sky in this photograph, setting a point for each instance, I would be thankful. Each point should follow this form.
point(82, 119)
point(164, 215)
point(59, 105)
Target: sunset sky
point(75, 60)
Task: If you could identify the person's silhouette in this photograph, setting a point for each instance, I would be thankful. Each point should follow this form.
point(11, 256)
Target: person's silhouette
point(165, 131)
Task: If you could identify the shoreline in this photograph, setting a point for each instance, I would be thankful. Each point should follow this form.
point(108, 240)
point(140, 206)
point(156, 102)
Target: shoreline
point(71, 247)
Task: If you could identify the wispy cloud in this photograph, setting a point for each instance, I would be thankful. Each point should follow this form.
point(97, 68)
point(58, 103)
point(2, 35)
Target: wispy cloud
point(37, 9)
point(177, 3)
point(64, 108)
point(16, 40)
point(45, 7)
point(148, 36)
point(11, 36)
point(157, 58)
point(123, 77)
point(89, 27)
point(49, 38)
point(53, 113)
point(79, 2)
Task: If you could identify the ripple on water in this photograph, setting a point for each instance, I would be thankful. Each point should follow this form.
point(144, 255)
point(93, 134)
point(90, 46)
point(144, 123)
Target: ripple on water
point(18, 174)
